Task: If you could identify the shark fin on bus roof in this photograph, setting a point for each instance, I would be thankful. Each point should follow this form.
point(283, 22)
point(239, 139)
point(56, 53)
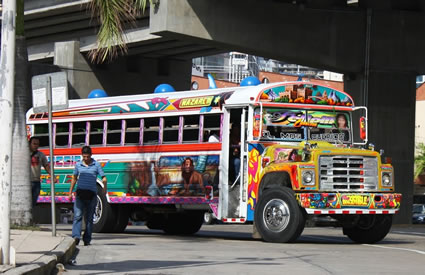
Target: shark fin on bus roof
point(211, 82)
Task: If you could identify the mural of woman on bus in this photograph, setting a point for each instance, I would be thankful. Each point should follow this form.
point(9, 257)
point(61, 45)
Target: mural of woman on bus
point(174, 176)
point(192, 179)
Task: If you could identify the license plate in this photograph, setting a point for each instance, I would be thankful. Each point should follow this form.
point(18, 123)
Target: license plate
point(355, 200)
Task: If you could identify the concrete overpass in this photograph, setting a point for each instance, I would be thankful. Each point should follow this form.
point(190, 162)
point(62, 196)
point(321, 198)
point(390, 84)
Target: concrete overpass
point(47, 22)
point(378, 45)
point(60, 33)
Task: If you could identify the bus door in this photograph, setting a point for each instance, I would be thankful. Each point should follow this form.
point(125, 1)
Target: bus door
point(233, 164)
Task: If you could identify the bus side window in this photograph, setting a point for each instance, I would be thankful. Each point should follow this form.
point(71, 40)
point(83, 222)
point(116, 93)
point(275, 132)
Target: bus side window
point(151, 130)
point(42, 132)
point(114, 132)
point(96, 132)
point(132, 131)
point(79, 133)
point(212, 126)
point(191, 129)
point(171, 129)
point(62, 135)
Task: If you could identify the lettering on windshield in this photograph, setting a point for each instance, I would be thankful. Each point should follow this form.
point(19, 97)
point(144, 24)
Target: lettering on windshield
point(298, 119)
point(329, 136)
point(292, 125)
point(290, 136)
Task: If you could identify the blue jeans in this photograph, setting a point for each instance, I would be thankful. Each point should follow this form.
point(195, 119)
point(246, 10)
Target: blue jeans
point(81, 207)
point(35, 190)
point(236, 168)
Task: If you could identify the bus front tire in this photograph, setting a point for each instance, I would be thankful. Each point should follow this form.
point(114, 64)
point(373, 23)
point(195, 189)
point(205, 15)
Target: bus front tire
point(104, 218)
point(369, 228)
point(278, 217)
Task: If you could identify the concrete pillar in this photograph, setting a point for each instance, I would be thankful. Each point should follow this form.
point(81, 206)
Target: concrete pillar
point(391, 103)
point(125, 75)
point(81, 78)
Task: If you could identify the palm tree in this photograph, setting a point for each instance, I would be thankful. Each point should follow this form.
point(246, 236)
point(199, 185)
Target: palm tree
point(21, 188)
point(419, 160)
point(113, 14)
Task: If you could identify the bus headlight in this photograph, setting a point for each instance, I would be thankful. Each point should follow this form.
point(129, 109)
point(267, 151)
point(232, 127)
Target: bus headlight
point(308, 177)
point(386, 179)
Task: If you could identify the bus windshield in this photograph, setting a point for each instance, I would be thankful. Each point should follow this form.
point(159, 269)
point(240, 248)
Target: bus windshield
point(280, 124)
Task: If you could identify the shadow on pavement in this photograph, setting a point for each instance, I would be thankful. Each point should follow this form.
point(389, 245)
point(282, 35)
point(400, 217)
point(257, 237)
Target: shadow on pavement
point(141, 265)
point(207, 235)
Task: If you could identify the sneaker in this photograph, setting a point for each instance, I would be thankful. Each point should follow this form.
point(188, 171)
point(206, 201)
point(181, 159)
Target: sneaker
point(86, 243)
point(77, 240)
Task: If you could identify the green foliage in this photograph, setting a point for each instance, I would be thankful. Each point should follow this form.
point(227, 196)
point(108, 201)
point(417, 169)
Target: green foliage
point(420, 159)
point(113, 14)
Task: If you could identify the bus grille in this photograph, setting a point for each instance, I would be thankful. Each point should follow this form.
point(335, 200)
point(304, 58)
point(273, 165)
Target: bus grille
point(348, 173)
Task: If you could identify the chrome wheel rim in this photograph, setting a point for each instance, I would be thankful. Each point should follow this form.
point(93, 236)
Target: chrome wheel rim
point(276, 215)
point(98, 211)
point(207, 217)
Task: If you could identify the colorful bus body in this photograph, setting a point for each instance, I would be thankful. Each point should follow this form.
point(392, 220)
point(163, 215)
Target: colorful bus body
point(295, 144)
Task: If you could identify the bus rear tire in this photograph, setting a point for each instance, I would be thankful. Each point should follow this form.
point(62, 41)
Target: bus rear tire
point(155, 222)
point(208, 218)
point(369, 228)
point(278, 217)
point(121, 214)
point(184, 223)
point(104, 218)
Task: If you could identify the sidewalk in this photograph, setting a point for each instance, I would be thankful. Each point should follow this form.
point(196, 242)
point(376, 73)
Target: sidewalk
point(38, 252)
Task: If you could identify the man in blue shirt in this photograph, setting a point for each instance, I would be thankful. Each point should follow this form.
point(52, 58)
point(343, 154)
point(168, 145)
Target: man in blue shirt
point(85, 175)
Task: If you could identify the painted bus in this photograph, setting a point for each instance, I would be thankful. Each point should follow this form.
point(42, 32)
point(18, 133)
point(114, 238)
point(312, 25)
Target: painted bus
point(282, 153)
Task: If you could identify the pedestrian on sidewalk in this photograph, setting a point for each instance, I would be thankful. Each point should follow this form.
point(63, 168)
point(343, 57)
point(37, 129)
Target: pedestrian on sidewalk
point(85, 175)
point(38, 159)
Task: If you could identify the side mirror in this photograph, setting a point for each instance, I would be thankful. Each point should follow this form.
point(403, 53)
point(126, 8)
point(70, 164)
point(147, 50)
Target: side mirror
point(363, 128)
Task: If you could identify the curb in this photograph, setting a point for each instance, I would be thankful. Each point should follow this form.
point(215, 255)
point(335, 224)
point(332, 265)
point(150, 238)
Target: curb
point(46, 264)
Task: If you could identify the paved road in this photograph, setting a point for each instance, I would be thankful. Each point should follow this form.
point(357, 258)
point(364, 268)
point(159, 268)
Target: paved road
point(229, 249)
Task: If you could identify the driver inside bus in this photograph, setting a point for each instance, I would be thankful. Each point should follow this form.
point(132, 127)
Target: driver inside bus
point(235, 159)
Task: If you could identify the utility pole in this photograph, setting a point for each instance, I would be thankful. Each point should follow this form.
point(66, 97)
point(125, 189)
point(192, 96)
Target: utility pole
point(52, 161)
point(50, 92)
point(7, 80)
